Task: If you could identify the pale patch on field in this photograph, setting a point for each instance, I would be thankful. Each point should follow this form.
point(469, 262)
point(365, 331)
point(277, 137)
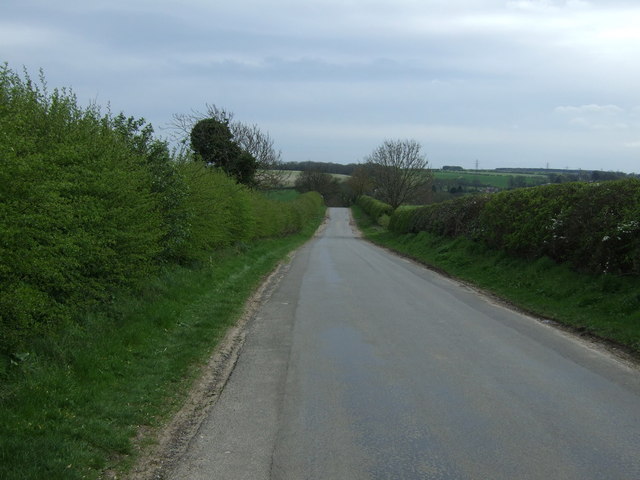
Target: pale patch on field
point(292, 175)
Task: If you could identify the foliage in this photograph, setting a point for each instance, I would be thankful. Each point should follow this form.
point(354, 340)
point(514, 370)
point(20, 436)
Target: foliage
point(74, 407)
point(324, 167)
point(223, 213)
point(94, 211)
point(374, 208)
point(282, 194)
point(217, 210)
point(469, 180)
point(93, 204)
point(313, 181)
point(603, 305)
point(595, 227)
point(255, 144)
point(213, 141)
point(361, 182)
point(451, 218)
point(398, 170)
point(79, 216)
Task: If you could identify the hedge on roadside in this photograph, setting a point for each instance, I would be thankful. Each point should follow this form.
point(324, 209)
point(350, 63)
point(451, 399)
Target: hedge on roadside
point(79, 216)
point(374, 208)
point(595, 227)
point(452, 218)
point(92, 204)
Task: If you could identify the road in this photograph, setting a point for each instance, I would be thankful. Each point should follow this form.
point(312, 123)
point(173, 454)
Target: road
point(364, 365)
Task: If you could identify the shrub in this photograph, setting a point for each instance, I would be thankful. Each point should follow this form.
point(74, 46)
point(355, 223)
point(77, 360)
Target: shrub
point(593, 227)
point(374, 208)
point(78, 215)
point(402, 218)
point(452, 218)
point(218, 211)
point(91, 204)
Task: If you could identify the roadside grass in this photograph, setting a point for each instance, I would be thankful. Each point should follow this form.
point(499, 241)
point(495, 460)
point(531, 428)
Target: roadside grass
point(605, 306)
point(71, 408)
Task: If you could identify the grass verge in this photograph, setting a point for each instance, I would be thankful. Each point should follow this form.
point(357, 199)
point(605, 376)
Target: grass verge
point(70, 408)
point(605, 306)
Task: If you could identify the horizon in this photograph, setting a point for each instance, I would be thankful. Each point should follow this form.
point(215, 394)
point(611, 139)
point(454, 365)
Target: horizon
point(498, 82)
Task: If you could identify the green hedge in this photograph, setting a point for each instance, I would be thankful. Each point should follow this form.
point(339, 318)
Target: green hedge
point(595, 227)
point(374, 208)
point(92, 204)
point(452, 218)
point(78, 214)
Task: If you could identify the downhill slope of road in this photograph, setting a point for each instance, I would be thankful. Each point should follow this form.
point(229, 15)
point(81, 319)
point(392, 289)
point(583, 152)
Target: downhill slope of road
point(363, 365)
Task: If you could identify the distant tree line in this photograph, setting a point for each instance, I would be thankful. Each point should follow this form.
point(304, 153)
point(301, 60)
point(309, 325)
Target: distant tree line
point(322, 167)
point(557, 175)
point(396, 172)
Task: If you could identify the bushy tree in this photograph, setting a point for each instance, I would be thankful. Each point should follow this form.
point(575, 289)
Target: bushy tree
point(399, 171)
point(213, 141)
point(361, 182)
point(250, 138)
point(325, 184)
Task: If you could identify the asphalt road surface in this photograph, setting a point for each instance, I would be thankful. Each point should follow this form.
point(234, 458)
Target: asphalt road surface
point(363, 365)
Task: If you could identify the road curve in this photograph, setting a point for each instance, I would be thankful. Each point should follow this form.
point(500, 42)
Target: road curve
point(363, 365)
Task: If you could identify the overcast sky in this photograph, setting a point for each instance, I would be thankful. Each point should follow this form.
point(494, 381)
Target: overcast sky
point(519, 83)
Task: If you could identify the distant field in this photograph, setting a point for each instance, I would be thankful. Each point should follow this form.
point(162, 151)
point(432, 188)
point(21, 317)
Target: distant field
point(488, 178)
point(293, 174)
point(484, 178)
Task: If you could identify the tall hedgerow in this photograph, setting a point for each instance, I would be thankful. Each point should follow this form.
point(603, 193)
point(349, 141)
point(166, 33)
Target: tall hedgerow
point(78, 215)
point(594, 227)
point(373, 207)
point(221, 212)
point(217, 210)
point(92, 204)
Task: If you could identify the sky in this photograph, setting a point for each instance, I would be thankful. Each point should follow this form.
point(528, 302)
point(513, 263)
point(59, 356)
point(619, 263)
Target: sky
point(492, 83)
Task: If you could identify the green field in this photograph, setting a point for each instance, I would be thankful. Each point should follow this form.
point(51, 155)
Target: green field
point(488, 178)
point(481, 178)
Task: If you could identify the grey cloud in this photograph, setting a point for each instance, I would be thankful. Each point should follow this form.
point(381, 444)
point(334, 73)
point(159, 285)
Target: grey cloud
point(456, 74)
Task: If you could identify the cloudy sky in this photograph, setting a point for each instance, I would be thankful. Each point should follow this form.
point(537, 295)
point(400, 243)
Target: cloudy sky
point(506, 83)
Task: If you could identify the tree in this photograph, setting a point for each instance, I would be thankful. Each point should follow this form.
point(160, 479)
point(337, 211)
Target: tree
point(259, 144)
point(324, 183)
point(314, 181)
point(213, 141)
point(399, 171)
point(359, 183)
point(268, 171)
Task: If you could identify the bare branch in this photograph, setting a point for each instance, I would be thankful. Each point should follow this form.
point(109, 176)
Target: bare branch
point(399, 171)
point(250, 138)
